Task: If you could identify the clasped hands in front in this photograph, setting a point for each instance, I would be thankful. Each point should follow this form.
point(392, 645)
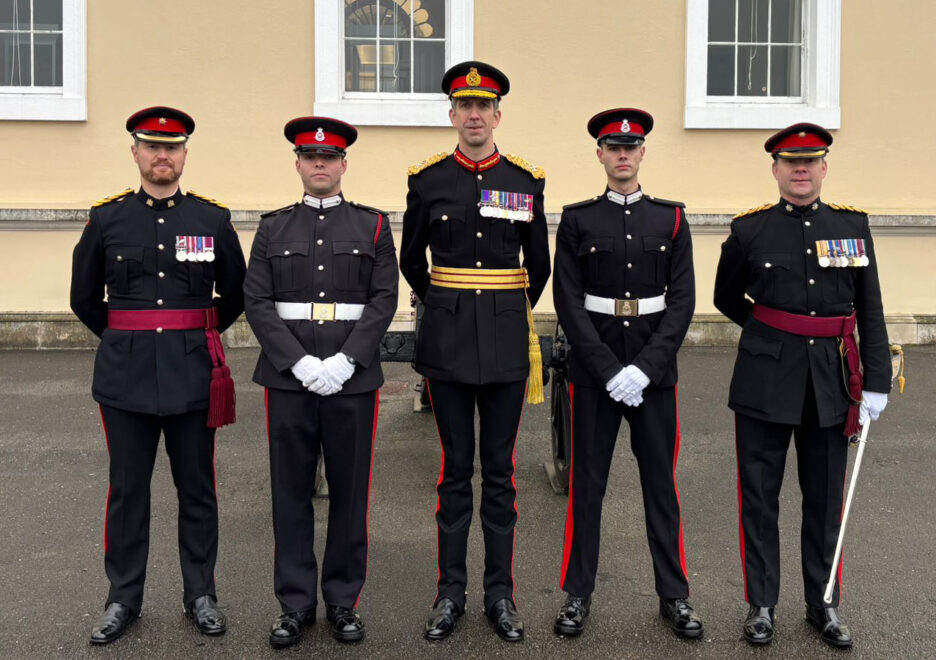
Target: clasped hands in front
point(323, 377)
point(628, 386)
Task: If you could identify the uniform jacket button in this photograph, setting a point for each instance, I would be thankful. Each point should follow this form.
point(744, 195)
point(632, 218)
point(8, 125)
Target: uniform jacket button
point(477, 292)
point(319, 241)
point(158, 331)
point(285, 251)
point(593, 249)
point(119, 258)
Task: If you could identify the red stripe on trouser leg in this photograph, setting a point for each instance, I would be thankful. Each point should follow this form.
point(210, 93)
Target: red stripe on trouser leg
point(370, 477)
point(107, 500)
point(682, 549)
point(567, 546)
point(438, 483)
point(740, 510)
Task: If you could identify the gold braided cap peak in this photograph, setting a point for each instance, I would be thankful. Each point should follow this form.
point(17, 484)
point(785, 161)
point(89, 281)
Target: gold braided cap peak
point(845, 207)
point(429, 162)
point(112, 198)
point(752, 211)
point(523, 164)
point(210, 200)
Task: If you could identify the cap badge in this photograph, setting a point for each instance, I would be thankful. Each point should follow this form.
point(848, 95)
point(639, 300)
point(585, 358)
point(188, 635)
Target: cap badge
point(802, 134)
point(320, 135)
point(162, 121)
point(625, 126)
point(473, 78)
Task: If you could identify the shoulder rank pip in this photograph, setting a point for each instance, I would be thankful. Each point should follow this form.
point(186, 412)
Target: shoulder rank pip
point(278, 211)
point(429, 162)
point(752, 211)
point(584, 202)
point(112, 198)
point(369, 208)
point(664, 202)
point(208, 200)
point(523, 164)
point(845, 207)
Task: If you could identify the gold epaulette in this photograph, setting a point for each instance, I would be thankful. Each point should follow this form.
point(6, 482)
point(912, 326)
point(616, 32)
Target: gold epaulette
point(523, 164)
point(210, 200)
point(429, 162)
point(112, 198)
point(845, 207)
point(756, 209)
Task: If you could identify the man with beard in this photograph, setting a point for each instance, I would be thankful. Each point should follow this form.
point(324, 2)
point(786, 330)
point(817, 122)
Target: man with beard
point(321, 290)
point(476, 210)
point(158, 254)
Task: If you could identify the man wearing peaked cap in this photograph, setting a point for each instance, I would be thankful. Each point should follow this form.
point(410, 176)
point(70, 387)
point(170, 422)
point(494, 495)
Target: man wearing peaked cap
point(480, 213)
point(810, 269)
point(158, 255)
point(624, 291)
point(321, 290)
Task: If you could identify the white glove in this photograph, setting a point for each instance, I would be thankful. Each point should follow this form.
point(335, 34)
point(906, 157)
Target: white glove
point(632, 383)
point(335, 371)
point(616, 381)
point(306, 368)
point(872, 405)
point(633, 400)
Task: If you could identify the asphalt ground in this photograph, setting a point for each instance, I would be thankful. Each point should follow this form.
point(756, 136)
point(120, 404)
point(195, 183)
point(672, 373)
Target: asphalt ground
point(53, 480)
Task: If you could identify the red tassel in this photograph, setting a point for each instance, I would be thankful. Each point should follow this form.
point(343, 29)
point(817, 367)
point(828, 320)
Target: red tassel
point(852, 428)
point(221, 401)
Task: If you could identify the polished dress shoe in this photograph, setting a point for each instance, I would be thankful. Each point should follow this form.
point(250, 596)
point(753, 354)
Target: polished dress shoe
point(112, 623)
point(571, 618)
point(759, 624)
point(442, 619)
point(347, 625)
point(507, 622)
point(205, 615)
point(830, 627)
point(287, 627)
point(681, 618)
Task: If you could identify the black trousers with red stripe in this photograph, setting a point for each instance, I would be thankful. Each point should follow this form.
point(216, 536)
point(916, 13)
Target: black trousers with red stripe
point(821, 458)
point(500, 406)
point(299, 426)
point(132, 440)
point(654, 434)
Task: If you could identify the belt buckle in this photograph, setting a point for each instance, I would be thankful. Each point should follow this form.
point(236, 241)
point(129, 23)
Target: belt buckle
point(323, 311)
point(625, 307)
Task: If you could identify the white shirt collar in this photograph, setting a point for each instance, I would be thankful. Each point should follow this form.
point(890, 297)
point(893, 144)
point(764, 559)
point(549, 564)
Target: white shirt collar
point(320, 203)
point(624, 200)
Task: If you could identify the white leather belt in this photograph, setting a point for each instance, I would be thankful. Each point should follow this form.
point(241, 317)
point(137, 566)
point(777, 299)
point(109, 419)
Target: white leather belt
point(290, 311)
point(616, 307)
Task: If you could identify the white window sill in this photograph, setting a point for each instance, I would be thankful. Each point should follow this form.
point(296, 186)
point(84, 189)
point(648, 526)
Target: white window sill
point(383, 112)
point(43, 107)
point(741, 115)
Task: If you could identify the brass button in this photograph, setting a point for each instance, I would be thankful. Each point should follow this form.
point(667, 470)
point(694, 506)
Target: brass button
point(285, 251)
point(321, 294)
point(807, 223)
point(626, 211)
point(319, 241)
point(355, 251)
point(477, 292)
point(321, 217)
point(158, 331)
point(161, 274)
point(662, 248)
point(480, 177)
point(593, 249)
point(477, 264)
point(627, 294)
point(626, 324)
point(808, 250)
point(767, 264)
point(321, 322)
point(119, 258)
point(445, 217)
point(161, 246)
point(161, 221)
point(321, 267)
point(159, 302)
point(812, 281)
point(812, 341)
point(479, 234)
point(812, 312)
point(630, 265)
point(629, 237)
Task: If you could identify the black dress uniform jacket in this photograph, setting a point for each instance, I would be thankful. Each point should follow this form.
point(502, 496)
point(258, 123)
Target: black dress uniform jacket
point(466, 337)
point(299, 253)
point(128, 247)
point(770, 255)
point(625, 252)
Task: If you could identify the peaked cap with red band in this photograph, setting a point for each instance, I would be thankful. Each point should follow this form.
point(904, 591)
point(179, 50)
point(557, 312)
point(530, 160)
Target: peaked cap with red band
point(320, 135)
point(161, 124)
point(475, 79)
point(620, 126)
point(799, 141)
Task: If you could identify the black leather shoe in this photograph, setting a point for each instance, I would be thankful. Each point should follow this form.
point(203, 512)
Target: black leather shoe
point(205, 615)
point(830, 627)
point(759, 624)
point(571, 618)
point(507, 622)
point(681, 618)
point(112, 623)
point(287, 627)
point(347, 625)
point(442, 620)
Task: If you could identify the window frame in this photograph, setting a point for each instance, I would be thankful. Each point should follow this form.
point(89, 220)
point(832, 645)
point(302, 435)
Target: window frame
point(68, 102)
point(821, 75)
point(383, 108)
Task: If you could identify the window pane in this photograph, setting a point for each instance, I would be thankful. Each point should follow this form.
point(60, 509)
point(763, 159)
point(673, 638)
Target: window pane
point(360, 66)
point(786, 24)
point(428, 17)
point(721, 20)
point(752, 70)
point(48, 54)
point(752, 20)
point(785, 63)
point(394, 22)
point(720, 71)
point(14, 59)
point(48, 16)
point(14, 14)
point(429, 66)
point(395, 66)
point(361, 18)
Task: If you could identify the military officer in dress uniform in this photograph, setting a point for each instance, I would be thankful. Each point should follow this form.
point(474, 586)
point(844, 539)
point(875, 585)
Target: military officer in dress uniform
point(810, 268)
point(476, 210)
point(624, 291)
point(158, 254)
point(321, 290)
